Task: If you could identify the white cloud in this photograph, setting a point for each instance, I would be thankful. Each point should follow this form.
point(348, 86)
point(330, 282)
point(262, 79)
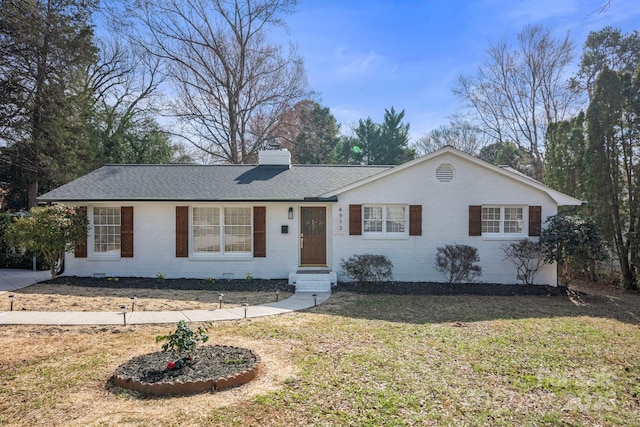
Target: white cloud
point(353, 65)
point(542, 10)
point(347, 115)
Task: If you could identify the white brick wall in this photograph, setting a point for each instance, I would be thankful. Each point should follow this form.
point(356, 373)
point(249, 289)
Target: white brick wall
point(154, 249)
point(444, 221)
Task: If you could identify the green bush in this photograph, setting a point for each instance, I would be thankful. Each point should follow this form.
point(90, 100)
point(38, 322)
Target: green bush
point(368, 268)
point(184, 340)
point(49, 231)
point(12, 256)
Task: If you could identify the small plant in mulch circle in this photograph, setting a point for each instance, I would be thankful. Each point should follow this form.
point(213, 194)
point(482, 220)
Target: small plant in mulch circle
point(159, 277)
point(182, 343)
point(249, 277)
point(234, 361)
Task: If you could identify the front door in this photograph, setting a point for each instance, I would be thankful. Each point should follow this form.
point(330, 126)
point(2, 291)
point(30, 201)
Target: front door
point(313, 236)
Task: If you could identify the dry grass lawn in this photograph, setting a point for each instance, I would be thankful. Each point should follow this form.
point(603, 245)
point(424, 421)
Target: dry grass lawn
point(48, 297)
point(359, 360)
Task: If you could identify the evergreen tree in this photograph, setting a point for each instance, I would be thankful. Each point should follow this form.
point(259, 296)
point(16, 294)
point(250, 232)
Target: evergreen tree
point(613, 168)
point(565, 151)
point(392, 147)
point(46, 49)
point(317, 135)
point(378, 144)
point(606, 48)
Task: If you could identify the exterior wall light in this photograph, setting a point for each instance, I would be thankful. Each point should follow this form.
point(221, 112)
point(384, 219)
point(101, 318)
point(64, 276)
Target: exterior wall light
point(290, 213)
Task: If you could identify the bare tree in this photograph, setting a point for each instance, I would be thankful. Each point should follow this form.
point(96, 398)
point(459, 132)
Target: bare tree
point(232, 84)
point(458, 133)
point(518, 91)
point(126, 82)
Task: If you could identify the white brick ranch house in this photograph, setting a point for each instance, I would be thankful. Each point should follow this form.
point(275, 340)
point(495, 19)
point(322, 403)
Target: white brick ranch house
point(275, 220)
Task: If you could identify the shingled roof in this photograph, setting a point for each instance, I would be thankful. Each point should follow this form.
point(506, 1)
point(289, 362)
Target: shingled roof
point(210, 183)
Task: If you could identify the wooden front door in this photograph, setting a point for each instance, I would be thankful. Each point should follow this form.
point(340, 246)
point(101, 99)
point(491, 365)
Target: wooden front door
point(313, 236)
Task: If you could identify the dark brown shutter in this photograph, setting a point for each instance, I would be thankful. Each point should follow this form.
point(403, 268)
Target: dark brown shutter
point(259, 231)
point(415, 220)
point(535, 220)
point(355, 220)
point(182, 231)
point(126, 232)
point(475, 220)
point(80, 250)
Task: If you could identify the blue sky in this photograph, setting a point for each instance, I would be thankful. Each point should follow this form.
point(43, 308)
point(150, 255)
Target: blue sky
point(363, 56)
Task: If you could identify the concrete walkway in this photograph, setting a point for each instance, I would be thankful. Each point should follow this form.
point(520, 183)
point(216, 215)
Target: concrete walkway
point(11, 280)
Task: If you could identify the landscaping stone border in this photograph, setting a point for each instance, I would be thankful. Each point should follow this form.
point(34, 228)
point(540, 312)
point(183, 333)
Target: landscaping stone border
point(192, 387)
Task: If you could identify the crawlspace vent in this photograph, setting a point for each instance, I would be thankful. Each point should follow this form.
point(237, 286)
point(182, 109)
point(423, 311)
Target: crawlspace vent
point(445, 173)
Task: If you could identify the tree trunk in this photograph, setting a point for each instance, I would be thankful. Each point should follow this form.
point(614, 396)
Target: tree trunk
point(33, 189)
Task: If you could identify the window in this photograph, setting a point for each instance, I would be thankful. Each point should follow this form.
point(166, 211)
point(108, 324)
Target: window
point(106, 230)
point(384, 220)
point(237, 230)
point(206, 230)
point(219, 230)
point(502, 220)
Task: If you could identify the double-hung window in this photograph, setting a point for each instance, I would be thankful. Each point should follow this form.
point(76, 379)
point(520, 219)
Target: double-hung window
point(384, 220)
point(502, 220)
point(106, 230)
point(222, 230)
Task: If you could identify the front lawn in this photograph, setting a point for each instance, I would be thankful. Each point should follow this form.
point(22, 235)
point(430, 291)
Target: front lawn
point(357, 360)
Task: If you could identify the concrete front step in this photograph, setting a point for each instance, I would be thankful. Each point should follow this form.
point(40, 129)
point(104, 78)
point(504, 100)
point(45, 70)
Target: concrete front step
point(313, 280)
point(313, 286)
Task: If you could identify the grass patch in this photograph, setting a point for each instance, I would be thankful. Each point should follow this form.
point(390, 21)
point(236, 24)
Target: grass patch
point(365, 360)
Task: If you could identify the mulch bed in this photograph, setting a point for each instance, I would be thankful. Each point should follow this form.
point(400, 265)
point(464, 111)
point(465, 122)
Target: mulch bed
point(212, 367)
point(258, 285)
point(392, 288)
point(433, 288)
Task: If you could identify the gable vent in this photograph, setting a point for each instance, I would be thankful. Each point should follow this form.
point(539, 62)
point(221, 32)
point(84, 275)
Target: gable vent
point(444, 173)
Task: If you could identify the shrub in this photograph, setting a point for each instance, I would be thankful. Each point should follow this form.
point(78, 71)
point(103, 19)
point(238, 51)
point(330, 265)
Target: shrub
point(527, 256)
point(574, 242)
point(368, 268)
point(456, 263)
point(184, 340)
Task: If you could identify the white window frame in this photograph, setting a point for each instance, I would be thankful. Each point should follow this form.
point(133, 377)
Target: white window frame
point(501, 221)
point(94, 227)
point(222, 252)
point(384, 233)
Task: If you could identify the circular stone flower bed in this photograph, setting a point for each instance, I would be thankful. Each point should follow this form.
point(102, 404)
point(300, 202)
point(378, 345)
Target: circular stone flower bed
point(212, 367)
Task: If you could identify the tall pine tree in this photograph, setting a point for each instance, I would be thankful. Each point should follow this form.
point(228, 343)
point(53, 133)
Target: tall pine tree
point(46, 49)
point(378, 144)
point(564, 154)
point(613, 166)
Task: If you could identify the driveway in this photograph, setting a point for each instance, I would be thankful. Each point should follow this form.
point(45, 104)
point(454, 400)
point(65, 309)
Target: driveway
point(13, 279)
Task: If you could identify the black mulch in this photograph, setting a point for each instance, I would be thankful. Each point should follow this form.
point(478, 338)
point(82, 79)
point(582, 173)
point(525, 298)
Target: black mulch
point(434, 288)
point(262, 285)
point(209, 362)
point(174, 284)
